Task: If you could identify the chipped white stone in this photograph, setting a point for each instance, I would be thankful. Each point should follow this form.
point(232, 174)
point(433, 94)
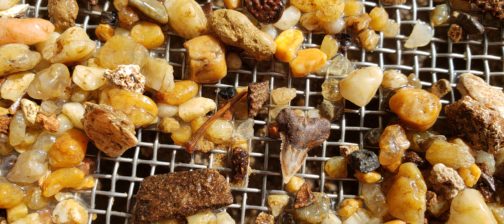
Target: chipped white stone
point(127, 77)
point(30, 110)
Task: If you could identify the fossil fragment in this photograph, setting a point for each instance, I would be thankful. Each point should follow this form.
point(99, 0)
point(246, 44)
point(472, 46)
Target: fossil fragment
point(299, 135)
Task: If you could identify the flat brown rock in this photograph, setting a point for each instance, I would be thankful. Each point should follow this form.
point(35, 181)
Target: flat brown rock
point(111, 131)
point(180, 194)
point(478, 89)
point(483, 128)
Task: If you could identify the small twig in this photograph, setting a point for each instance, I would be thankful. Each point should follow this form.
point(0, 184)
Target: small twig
point(191, 144)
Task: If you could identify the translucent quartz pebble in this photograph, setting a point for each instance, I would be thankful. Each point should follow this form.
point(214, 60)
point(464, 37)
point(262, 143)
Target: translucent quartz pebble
point(51, 83)
point(30, 167)
point(420, 36)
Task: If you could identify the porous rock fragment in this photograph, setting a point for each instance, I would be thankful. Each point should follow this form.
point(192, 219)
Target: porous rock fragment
point(180, 194)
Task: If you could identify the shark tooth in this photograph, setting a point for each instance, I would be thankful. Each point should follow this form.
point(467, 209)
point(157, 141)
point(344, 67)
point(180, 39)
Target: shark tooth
point(299, 135)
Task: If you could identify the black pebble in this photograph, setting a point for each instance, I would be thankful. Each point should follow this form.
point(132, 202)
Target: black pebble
point(364, 161)
point(227, 93)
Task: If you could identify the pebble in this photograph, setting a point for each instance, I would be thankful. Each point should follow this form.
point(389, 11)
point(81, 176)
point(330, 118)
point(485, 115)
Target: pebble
point(89, 78)
point(74, 112)
point(283, 95)
point(363, 161)
point(393, 144)
point(16, 11)
point(236, 29)
point(186, 18)
point(181, 92)
point(332, 111)
point(15, 86)
point(445, 181)
point(25, 31)
point(416, 108)
point(420, 36)
point(469, 207)
point(207, 60)
point(140, 109)
point(455, 154)
point(406, 197)
point(233, 61)
point(151, 8)
point(334, 26)
point(51, 83)
point(165, 110)
point(69, 211)
point(168, 125)
point(374, 199)
point(288, 44)
point(440, 15)
point(195, 107)
point(158, 74)
point(30, 167)
point(361, 85)
point(331, 91)
point(329, 46)
point(277, 203)
point(307, 61)
point(290, 18)
point(336, 167)
point(74, 45)
point(148, 34)
point(393, 79)
point(17, 58)
point(121, 50)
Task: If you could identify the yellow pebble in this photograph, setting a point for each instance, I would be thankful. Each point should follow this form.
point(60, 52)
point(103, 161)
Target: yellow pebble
point(17, 212)
point(368, 178)
point(353, 8)
point(379, 18)
point(182, 92)
point(294, 184)
point(10, 195)
point(470, 175)
point(148, 34)
point(62, 178)
point(140, 109)
point(348, 207)
point(168, 125)
point(329, 46)
point(69, 149)
point(104, 32)
point(395, 222)
point(307, 61)
point(288, 44)
point(182, 135)
point(369, 39)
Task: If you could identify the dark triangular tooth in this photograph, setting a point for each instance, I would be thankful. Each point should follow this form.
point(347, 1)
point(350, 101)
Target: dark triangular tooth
point(291, 159)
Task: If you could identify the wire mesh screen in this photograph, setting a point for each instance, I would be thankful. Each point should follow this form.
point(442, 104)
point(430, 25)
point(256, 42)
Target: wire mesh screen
point(111, 200)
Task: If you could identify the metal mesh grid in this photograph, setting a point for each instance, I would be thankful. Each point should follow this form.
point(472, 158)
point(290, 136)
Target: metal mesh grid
point(119, 178)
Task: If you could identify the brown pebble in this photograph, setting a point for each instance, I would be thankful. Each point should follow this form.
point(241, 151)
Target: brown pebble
point(264, 218)
point(180, 194)
point(481, 127)
point(304, 197)
point(49, 123)
point(455, 33)
point(239, 162)
point(258, 94)
point(441, 88)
